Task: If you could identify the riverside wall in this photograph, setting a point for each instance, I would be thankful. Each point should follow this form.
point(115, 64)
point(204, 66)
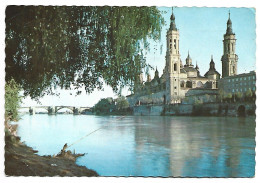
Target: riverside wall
point(209, 109)
point(148, 110)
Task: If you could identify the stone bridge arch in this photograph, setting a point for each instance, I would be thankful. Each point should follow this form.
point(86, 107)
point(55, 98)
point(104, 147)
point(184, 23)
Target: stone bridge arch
point(32, 110)
point(54, 109)
point(57, 108)
point(75, 110)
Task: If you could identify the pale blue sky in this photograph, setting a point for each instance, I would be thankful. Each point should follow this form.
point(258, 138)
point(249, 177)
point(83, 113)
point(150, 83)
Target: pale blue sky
point(201, 32)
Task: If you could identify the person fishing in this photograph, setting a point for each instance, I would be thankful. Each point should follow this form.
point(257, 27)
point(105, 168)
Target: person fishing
point(66, 145)
point(64, 148)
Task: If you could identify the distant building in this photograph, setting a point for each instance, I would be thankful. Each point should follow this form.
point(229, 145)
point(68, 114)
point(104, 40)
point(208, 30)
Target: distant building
point(238, 83)
point(230, 81)
point(184, 83)
point(229, 58)
point(177, 78)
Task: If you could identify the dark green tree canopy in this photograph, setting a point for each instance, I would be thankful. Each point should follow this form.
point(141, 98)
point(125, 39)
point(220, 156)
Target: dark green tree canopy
point(73, 46)
point(121, 103)
point(105, 106)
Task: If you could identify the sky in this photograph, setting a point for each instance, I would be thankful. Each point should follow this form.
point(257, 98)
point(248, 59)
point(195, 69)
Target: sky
point(201, 33)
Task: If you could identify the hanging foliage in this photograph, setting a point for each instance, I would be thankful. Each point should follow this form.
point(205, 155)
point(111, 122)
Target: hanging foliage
point(75, 47)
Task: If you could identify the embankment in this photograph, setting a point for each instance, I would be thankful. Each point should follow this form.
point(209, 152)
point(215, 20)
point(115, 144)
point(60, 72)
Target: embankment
point(21, 160)
point(209, 109)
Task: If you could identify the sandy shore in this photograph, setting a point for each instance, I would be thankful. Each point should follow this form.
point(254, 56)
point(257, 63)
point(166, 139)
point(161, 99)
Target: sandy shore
point(21, 160)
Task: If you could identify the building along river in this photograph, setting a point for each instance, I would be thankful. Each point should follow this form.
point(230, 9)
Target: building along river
point(148, 145)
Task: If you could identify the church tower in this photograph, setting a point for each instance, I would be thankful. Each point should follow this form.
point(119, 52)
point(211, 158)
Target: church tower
point(172, 64)
point(229, 58)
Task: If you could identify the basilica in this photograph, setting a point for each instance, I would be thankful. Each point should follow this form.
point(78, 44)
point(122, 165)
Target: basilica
point(177, 78)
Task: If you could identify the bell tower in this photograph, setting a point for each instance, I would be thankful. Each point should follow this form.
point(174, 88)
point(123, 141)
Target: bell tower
point(229, 58)
point(172, 64)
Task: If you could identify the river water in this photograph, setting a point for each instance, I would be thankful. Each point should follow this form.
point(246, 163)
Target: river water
point(148, 145)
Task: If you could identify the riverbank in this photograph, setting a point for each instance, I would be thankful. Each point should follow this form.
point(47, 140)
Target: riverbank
point(207, 109)
point(21, 160)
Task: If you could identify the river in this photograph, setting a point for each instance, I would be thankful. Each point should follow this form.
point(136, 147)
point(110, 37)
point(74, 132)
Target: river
point(148, 145)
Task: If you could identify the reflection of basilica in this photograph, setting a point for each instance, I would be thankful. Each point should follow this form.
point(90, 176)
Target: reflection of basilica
point(192, 148)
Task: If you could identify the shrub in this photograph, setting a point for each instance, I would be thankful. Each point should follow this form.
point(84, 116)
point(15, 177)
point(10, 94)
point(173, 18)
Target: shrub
point(228, 97)
point(249, 94)
point(12, 100)
point(121, 103)
point(239, 96)
point(198, 101)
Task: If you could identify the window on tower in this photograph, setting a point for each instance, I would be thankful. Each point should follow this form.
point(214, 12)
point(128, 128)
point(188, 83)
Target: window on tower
point(174, 43)
point(175, 67)
point(170, 40)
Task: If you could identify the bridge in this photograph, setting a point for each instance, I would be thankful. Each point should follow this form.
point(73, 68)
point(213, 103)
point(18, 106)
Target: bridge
point(54, 109)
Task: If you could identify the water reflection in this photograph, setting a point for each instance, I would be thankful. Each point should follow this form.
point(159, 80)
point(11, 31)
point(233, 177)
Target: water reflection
point(197, 147)
point(150, 146)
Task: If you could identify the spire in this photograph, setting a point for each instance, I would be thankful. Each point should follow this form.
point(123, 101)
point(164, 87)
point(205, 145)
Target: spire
point(197, 67)
point(229, 20)
point(212, 64)
point(229, 25)
point(188, 60)
point(173, 25)
point(156, 73)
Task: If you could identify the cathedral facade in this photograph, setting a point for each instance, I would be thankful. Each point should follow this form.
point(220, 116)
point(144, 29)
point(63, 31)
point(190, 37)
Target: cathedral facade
point(178, 78)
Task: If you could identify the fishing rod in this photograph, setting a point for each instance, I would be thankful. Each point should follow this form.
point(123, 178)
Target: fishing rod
point(67, 146)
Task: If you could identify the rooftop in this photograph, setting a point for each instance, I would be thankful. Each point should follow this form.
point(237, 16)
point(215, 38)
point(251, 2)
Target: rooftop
point(241, 75)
